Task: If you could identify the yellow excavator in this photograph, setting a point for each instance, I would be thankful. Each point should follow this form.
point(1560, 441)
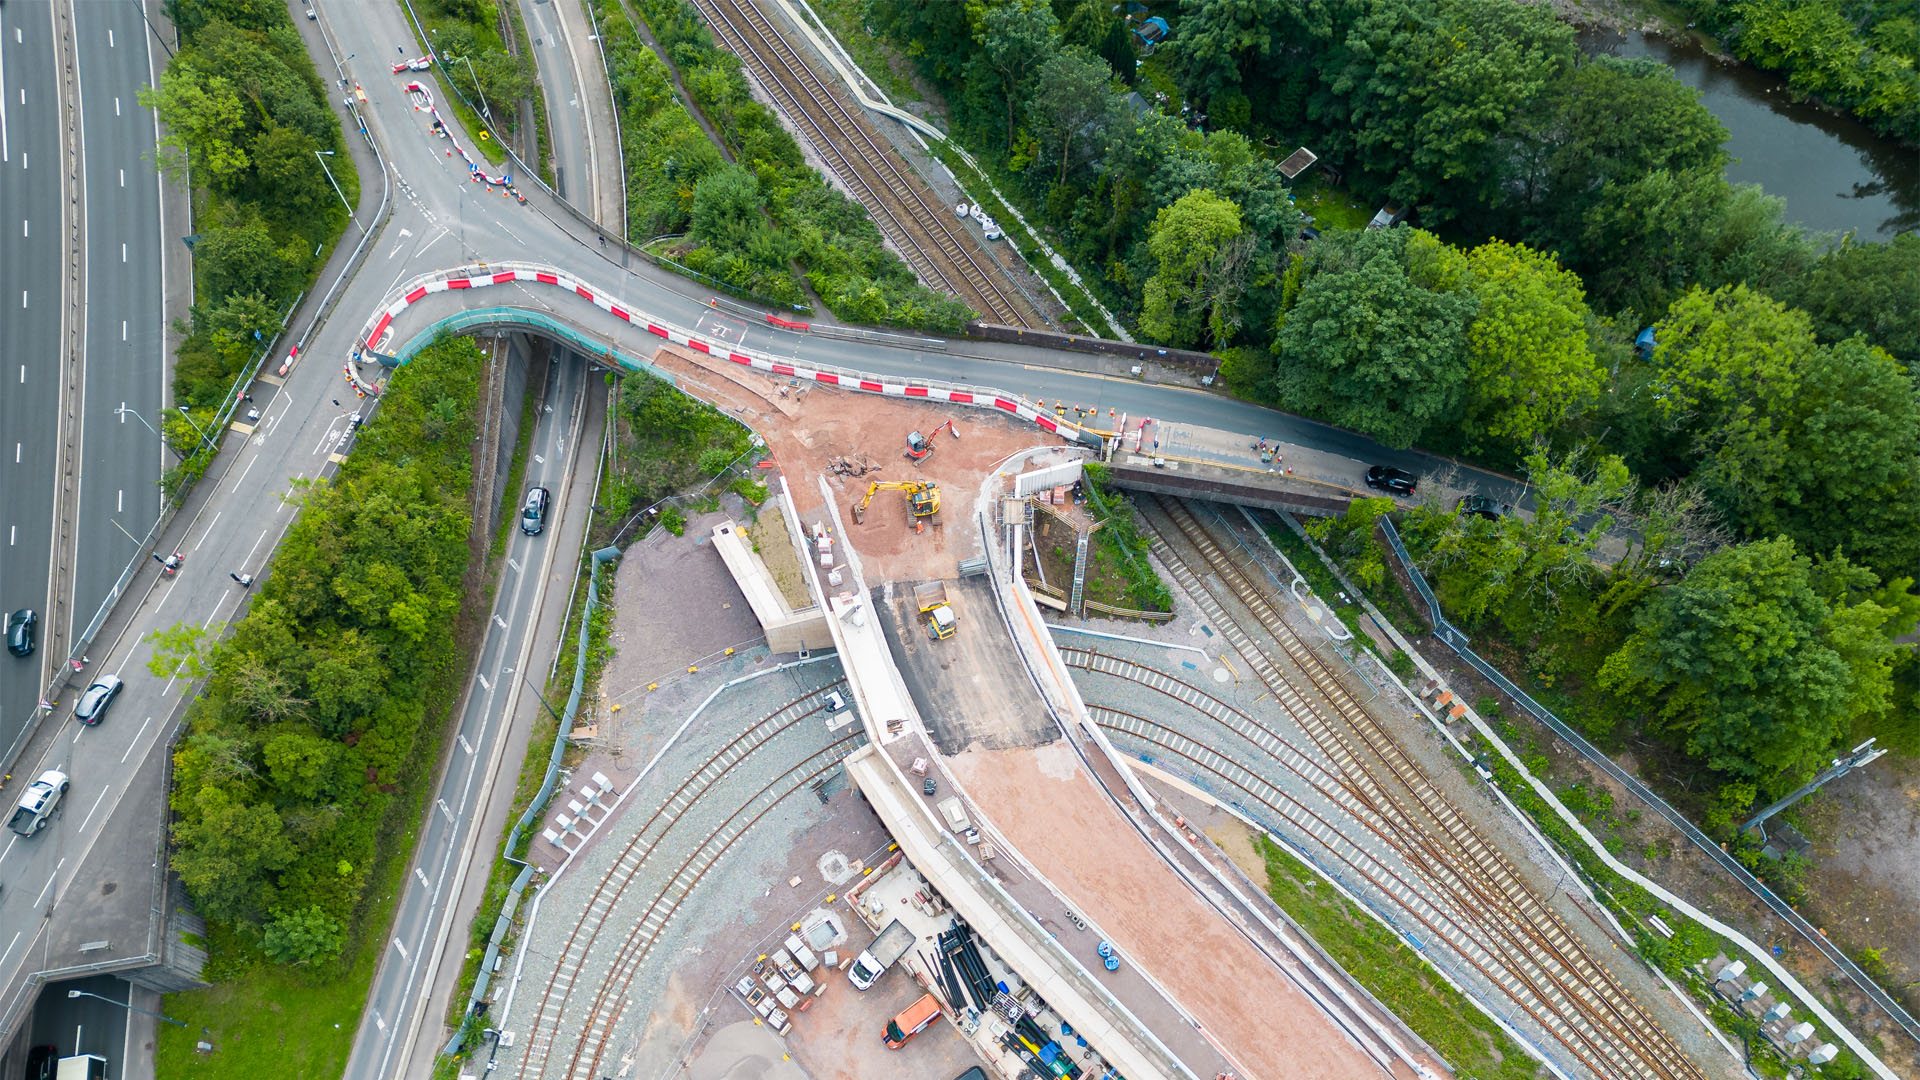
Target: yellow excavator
point(923, 500)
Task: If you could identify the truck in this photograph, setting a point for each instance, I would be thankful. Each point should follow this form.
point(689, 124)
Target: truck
point(891, 945)
point(37, 803)
point(931, 597)
point(81, 1067)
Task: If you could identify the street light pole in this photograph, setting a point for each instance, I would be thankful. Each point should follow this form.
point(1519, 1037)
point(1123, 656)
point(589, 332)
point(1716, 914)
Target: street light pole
point(485, 109)
point(204, 440)
point(323, 155)
point(125, 1005)
point(123, 412)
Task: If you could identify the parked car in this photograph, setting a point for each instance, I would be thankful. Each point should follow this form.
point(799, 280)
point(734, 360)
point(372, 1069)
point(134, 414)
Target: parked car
point(93, 704)
point(1397, 481)
point(1482, 507)
point(533, 516)
point(23, 632)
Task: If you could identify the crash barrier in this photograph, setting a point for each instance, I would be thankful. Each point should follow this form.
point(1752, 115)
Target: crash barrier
point(879, 337)
point(986, 331)
point(504, 924)
point(374, 338)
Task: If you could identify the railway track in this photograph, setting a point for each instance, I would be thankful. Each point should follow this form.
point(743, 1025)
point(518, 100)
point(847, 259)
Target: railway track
point(1256, 793)
point(899, 201)
point(1586, 1009)
point(649, 843)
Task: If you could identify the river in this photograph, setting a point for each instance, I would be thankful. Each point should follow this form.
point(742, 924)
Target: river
point(1834, 172)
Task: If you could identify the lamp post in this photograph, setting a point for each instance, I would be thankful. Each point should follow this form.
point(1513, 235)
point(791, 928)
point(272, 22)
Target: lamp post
point(123, 412)
point(323, 155)
point(204, 440)
point(485, 109)
point(125, 1005)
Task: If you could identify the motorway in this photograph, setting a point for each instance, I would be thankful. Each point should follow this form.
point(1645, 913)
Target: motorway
point(438, 219)
point(126, 364)
point(30, 198)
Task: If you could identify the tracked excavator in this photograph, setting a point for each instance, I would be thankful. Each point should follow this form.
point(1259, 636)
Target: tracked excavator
point(923, 500)
point(921, 447)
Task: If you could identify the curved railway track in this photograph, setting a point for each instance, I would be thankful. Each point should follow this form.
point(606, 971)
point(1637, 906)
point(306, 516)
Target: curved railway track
point(899, 201)
point(697, 789)
point(1589, 1008)
point(1462, 934)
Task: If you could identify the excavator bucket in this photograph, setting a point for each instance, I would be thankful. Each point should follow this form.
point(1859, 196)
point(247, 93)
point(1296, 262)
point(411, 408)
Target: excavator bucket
point(859, 513)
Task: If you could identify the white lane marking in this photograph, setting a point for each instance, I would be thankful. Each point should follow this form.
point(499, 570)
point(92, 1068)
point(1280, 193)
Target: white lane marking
point(110, 37)
point(445, 811)
point(290, 488)
point(123, 253)
point(484, 683)
point(16, 933)
point(123, 329)
point(422, 875)
point(209, 532)
point(96, 805)
point(403, 953)
point(245, 471)
point(136, 740)
point(464, 745)
point(23, 298)
point(377, 1022)
point(123, 178)
point(256, 545)
point(116, 104)
point(11, 840)
point(120, 501)
point(51, 878)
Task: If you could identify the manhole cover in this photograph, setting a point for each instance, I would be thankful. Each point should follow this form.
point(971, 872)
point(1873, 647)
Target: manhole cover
point(1314, 613)
point(1221, 674)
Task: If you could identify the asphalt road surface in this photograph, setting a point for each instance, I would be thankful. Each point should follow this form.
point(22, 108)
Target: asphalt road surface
point(30, 306)
point(566, 114)
point(126, 365)
point(394, 1015)
point(85, 1025)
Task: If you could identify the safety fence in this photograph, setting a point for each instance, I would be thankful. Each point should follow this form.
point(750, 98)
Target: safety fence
point(1457, 641)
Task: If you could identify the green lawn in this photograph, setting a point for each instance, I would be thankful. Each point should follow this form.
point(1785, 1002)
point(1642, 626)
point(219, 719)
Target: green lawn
point(269, 1020)
point(1392, 972)
point(1330, 207)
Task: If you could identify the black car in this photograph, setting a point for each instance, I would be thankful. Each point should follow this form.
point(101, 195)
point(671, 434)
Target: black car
point(533, 516)
point(23, 631)
point(93, 704)
point(1388, 478)
point(1482, 507)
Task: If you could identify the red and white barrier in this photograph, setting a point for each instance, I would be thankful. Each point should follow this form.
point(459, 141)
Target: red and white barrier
point(423, 102)
point(380, 329)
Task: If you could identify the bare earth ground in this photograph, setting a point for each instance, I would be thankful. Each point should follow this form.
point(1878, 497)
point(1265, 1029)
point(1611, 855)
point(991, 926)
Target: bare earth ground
point(812, 424)
point(1061, 822)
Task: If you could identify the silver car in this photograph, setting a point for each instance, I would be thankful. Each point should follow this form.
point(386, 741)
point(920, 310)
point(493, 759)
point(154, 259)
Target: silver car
point(93, 704)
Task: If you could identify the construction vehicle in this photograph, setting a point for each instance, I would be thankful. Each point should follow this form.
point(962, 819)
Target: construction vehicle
point(920, 447)
point(923, 500)
point(932, 600)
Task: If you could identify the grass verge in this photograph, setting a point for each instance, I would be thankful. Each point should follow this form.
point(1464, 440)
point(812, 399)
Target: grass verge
point(1470, 1041)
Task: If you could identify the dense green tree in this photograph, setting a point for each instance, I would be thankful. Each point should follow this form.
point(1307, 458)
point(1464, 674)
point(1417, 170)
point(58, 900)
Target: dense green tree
point(1611, 121)
point(302, 935)
point(227, 853)
point(205, 122)
point(1531, 369)
point(1017, 40)
point(726, 206)
point(1191, 242)
point(1757, 663)
point(242, 258)
point(1221, 41)
point(1865, 288)
point(1070, 94)
point(1368, 348)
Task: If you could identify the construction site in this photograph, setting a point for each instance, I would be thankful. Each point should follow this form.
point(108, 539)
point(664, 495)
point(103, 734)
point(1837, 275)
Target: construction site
point(877, 787)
